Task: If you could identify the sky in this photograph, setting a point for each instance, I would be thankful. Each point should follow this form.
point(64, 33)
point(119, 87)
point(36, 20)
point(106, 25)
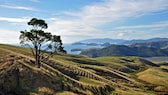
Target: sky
point(76, 20)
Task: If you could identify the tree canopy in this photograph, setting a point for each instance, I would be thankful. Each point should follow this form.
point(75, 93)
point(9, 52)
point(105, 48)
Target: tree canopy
point(42, 44)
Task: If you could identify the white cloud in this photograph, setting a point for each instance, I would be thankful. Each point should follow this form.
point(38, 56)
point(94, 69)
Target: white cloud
point(71, 30)
point(15, 20)
point(19, 7)
point(115, 10)
point(88, 21)
point(121, 34)
point(9, 37)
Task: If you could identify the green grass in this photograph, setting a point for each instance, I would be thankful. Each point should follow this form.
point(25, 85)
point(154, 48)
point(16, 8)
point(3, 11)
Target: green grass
point(118, 61)
point(17, 49)
point(154, 76)
point(3, 52)
point(89, 71)
point(125, 64)
point(109, 61)
point(91, 81)
point(132, 92)
point(65, 93)
point(113, 62)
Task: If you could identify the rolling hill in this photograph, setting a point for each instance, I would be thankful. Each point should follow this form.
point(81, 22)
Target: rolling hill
point(122, 50)
point(77, 47)
point(77, 74)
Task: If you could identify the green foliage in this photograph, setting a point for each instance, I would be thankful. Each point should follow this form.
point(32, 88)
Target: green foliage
point(39, 41)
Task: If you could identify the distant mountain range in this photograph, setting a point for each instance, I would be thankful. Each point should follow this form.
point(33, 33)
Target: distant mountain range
point(145, 41)
point(158, 44)
point(143, 48)
point(100, 41)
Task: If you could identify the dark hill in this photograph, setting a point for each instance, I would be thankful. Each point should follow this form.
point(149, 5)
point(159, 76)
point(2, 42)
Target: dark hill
point(122, 50)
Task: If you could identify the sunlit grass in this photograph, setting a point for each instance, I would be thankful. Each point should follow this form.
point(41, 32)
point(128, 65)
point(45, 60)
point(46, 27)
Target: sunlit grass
point(89, 71)
point(91, 81)
point(65, 93)
point(132, 92)
point(154, 76)
point(113, 62)
point(17, 49)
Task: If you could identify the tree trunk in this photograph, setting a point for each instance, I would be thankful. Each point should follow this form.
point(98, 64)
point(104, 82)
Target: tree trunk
point(37, 61)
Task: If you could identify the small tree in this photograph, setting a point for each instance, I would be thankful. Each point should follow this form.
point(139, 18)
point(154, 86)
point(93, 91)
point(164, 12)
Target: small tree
point(42, 44)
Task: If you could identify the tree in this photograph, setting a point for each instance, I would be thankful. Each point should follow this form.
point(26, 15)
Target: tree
point(42, 44)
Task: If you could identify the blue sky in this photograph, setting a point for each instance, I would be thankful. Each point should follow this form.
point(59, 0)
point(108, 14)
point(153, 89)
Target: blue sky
point(77, 20)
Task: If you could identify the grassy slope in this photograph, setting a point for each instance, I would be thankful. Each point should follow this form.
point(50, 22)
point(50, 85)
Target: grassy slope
point(32, 80)
point(93, 73)
point(155, 76)
point(125, 64)
point(63, 67)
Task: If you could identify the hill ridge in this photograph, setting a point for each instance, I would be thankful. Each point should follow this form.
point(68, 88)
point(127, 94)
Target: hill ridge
point(67, 77)
point(81, 75)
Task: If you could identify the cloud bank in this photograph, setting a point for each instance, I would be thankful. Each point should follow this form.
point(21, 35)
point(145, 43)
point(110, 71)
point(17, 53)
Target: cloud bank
point(9, 37)
point(88, 21)
point(15, 20)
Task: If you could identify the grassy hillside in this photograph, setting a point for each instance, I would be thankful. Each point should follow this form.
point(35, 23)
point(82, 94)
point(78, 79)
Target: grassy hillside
point(77, 74)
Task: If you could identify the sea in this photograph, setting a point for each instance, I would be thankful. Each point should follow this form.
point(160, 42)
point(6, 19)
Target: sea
point(69, 47)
